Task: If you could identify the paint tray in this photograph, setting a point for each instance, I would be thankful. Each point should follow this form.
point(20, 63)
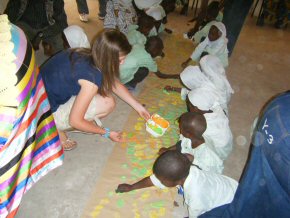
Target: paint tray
point(157, 125)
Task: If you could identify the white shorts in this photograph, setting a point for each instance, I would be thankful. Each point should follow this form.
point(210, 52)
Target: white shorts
point(61, 116)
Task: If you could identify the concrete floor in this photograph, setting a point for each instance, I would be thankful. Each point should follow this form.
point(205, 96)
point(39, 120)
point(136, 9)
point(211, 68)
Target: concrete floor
point(259, 68)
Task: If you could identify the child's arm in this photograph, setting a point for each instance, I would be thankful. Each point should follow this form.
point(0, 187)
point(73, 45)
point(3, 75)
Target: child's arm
point(163, 149)
point(143, 183)
point(193, 19)
point(166, 76)
point(184, 64)
point(172, 89)
point(177, 147)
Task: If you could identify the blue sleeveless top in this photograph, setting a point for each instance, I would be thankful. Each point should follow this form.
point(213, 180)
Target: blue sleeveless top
point(60, 76)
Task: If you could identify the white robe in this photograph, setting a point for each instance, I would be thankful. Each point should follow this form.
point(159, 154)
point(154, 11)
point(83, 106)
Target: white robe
point(204, 191)
point(217, 47)
point(212, 67)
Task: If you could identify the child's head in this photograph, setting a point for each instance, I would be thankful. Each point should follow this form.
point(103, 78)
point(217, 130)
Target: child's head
point(212, 11)
point(168, 5)
point(145, 23)
point(192, 125)
point(171, 168)
point(75, 37)
point(109, 47)
point(216, 31)
point(154, 46)
point(47, 48)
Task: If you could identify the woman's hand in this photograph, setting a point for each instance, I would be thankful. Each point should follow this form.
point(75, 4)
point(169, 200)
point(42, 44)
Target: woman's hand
point(142, 112)
point(116, 136)
point(124, 188)
point(121, 91)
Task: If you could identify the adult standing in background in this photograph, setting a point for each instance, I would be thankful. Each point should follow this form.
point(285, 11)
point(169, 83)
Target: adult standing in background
point(102, 9)
point(40, 20)
point(84, 10)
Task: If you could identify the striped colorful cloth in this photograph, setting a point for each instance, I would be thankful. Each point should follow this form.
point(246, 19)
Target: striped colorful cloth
point(29, 142)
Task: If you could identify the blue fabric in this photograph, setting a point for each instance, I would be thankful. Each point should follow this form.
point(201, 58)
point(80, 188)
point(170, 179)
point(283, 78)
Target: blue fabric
point(60, 76)
point(264, 190)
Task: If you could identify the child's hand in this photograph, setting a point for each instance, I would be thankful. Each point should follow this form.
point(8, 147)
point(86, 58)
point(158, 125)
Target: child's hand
point(116, 136)
point(162, 150)
point(184, 64)
point(168, 88)
point(124, 188)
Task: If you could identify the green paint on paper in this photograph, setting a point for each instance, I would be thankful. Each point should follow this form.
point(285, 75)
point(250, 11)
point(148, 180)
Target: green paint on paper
point(111, 194)
point(130, 150)
point(166, 92)
point(139, 172)
point(120, 203)
point(125, 165)
point(145, 162)
point(130, 135)
point(157, 204)
point(123, 177)
point(134, 178)
point(132, 192)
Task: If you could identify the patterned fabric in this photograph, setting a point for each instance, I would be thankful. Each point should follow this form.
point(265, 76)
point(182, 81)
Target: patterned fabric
point(29, 142)
point(126, 16)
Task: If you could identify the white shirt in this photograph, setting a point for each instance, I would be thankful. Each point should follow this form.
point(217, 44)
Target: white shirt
point(218, 132)
point(204, 156)
point(204, 191)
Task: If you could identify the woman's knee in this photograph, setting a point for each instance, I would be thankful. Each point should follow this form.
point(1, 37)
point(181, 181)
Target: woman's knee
point(110, 104)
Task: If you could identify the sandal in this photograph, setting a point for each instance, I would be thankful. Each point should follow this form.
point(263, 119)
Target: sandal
point(69, 145)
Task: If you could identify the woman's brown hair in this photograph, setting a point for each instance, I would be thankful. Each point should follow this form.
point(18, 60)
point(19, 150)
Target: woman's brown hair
point(107, 45)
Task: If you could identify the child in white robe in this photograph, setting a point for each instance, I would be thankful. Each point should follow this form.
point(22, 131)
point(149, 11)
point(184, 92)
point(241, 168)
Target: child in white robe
point(193, 78)
point(203, 100)
point(137, 34)
point(215, 44)
point(202, 190)
point(75, 37)
point(212, 67)
point(193, 141)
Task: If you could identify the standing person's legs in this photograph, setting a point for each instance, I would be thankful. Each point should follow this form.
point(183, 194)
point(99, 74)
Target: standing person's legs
point(83, 10)
point(102, 9)
point(139, 76)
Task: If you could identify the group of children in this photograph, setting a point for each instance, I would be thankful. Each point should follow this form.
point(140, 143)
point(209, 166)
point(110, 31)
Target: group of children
point(195, 162)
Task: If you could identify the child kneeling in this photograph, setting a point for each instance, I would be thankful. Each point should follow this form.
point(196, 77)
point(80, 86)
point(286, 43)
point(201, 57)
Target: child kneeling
point(140, 61)
point(202, 190)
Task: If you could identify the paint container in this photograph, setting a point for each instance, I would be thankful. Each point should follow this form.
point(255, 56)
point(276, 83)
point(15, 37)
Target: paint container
point(157, 125)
